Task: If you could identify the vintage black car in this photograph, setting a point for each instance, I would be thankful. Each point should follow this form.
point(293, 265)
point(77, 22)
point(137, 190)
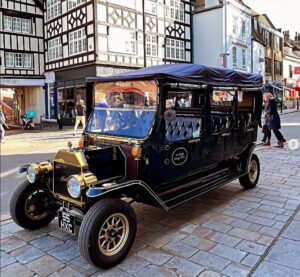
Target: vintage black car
point(160, 136)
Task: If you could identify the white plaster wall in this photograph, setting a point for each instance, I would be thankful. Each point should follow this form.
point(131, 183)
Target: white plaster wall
point(258, 53)
point(208, 37)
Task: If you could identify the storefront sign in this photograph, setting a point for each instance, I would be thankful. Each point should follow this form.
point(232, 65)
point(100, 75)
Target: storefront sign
point(297, 70)
point(22, 82)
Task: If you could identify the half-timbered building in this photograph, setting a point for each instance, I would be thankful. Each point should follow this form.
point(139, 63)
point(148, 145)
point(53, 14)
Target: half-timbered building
point(85, 38)
point(22, 54)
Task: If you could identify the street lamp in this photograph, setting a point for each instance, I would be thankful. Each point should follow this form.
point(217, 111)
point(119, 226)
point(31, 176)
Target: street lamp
point(224, 59)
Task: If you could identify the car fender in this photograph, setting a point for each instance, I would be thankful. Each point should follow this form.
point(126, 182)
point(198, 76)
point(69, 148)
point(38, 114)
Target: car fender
point(134, 189)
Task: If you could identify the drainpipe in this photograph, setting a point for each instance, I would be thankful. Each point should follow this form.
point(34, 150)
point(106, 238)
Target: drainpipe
point(144, 33)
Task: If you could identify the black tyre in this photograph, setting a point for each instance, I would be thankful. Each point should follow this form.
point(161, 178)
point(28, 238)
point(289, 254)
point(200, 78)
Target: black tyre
point(28, 206)
point(107, 232)
point(250, 180)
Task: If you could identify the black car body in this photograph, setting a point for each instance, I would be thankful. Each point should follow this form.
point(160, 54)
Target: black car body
point(160, 136)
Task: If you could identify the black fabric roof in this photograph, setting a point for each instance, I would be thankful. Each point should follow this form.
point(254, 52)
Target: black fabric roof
point(187, 73)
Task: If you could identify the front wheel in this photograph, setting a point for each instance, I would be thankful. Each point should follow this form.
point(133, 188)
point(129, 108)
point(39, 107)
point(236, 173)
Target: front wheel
point(107, 232)
point(28, 206)
point(250, 180)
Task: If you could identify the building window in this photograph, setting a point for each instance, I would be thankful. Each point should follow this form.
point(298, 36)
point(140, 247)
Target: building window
point(235, 25)
point(150, 7)
point(122, 41)
point(74, 3)
point(277, 66)
point(244, 58)
point(255, 24)
point(290, 71)
point(25, 25)
point(234, 57)
point(53, 8)
point(77, 42)
point(9, 59)
point(18, 60)
point(16, 24)
point(7, 23)
point(243, 28)
point(268, 65)
point(277, 41)
point(175, 49)
point(151, 46)
point(175, 10)
point(54, 49)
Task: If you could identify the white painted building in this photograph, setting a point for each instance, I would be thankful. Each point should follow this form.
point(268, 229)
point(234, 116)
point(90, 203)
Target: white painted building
point(85, 38)
point(22, 54)
point(258, 57)
point(291, 64)
point(222, 34)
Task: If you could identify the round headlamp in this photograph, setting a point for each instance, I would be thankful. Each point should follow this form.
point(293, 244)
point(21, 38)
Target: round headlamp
point(77, 183)
point(74, 187)
point(32, 172)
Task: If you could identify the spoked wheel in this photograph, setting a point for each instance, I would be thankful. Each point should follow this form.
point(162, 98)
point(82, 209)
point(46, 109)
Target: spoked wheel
point(107, 232)
point(250, 180)
point(29, 206)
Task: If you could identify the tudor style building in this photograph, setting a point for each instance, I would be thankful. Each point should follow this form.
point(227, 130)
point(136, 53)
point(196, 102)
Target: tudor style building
point(22, 55)
point(86, 38)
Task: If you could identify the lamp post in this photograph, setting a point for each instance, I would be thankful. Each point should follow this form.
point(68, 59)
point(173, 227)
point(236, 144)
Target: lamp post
point(224, 59)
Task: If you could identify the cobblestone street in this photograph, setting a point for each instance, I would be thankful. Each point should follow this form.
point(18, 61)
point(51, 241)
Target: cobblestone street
point(227, 232)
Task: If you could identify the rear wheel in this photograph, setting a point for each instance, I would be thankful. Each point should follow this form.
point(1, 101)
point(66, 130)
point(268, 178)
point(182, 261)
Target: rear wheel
point(250, 180)
point(29, 206)
point(107, 232)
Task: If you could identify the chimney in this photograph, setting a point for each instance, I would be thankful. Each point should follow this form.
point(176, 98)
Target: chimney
point(286, 36)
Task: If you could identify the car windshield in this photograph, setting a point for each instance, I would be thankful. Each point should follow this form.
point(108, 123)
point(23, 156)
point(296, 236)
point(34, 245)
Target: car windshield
point(125, 109)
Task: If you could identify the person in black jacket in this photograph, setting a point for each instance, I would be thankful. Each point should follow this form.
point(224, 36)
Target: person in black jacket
point(272, 120)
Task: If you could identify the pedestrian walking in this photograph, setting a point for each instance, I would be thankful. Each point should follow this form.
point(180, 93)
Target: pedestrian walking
point(80, 111)
point(272, 121)
point(2, 124)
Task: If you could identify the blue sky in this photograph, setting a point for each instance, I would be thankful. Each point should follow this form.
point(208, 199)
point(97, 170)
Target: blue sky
point(284, 14)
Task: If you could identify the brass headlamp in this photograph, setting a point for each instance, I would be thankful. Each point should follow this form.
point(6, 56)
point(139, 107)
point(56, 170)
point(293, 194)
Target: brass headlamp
point(78, 182)
point(35, 169)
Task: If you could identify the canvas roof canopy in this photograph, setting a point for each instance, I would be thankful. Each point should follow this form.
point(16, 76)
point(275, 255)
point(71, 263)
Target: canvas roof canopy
point(187, 73)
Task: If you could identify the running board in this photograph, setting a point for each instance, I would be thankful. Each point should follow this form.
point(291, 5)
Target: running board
point(197, 189)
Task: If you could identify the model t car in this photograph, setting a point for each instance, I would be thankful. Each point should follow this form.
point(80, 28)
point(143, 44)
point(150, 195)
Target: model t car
point(160, 136)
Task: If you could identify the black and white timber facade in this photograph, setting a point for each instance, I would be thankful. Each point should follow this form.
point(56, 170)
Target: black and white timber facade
point(85, 38)
point(22, 54)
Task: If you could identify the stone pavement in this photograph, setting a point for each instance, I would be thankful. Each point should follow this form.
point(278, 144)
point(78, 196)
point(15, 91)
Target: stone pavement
point(226, 232)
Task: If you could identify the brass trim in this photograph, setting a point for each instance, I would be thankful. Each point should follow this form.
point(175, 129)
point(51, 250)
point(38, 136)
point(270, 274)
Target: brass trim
point(75, 158)
point(69, 199)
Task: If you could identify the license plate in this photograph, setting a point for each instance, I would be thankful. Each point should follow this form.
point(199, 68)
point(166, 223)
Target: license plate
point(66, 222)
